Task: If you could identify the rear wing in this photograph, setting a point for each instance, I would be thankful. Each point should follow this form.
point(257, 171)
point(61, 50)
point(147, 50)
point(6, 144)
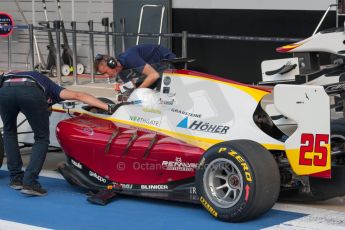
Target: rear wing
point(308, 148)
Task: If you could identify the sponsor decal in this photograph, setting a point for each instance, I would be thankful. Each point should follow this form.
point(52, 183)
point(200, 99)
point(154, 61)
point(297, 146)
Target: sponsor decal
point(88, 131)
point(166, 90)
point(208, 207)
point(152, 110)
point(154, 187)
point(98, 177)
point(179, 165)
point(185, 113)
point(77, 164)
point(127, 186)
point(163, 102)
point(240, 160)
point(167, 80)
point(115, 185)
point(144, 120)
point(203, 126)
point(6, 24)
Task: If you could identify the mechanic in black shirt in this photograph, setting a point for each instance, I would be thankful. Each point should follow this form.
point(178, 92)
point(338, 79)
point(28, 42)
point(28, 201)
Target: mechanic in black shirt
point(31, 93)
point(143, 59)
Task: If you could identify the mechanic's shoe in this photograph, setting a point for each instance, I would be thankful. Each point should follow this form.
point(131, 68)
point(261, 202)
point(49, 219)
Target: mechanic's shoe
point(34, 190)
point(16, 182)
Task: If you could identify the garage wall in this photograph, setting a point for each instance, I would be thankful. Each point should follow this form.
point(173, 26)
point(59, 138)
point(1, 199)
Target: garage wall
point(84, 10)
point(241, 60)
point(231, 59)
point(254, 4)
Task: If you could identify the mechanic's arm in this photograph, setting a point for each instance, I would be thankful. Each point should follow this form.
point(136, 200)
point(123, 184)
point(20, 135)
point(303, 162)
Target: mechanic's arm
point(67, 94)
point(151, 76)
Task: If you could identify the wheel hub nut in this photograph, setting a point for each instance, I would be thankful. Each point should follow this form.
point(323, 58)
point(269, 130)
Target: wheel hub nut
point(234, 181)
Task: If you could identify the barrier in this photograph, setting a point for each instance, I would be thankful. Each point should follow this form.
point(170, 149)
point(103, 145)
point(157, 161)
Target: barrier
point(184, 38)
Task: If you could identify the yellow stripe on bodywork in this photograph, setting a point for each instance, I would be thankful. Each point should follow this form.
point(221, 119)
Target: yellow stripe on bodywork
point(257, 94)
point(291, 46)
point(201, 142)
point(294, 155)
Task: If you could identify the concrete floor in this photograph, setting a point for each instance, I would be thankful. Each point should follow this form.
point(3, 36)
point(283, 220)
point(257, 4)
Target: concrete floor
point(54, 158)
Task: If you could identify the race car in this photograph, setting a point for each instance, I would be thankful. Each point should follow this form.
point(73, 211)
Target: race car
point(317, 60)
point(205, 139)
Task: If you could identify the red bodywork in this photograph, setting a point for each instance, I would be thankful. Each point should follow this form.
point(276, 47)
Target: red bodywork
point(134, 156)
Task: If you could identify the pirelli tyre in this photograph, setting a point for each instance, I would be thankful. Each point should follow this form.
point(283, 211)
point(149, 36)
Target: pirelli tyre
point(2, 151)
point(237, 180)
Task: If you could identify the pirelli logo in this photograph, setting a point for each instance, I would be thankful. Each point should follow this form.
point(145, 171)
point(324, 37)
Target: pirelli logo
point(208, 207)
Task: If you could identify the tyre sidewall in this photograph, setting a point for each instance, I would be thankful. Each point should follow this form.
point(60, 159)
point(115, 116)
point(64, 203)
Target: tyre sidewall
point(240, 209)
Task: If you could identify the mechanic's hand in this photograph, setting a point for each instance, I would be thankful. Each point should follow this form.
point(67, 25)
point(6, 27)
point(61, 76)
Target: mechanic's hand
point(124, 88)
point(117, 87)
point(111, 108)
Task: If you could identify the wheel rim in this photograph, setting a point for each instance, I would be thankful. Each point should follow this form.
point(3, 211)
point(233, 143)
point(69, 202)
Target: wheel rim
point(80, 68)
point(65, 70)
point(223, 183)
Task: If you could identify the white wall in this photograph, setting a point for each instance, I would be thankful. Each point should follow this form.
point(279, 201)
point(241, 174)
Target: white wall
point(254, 4)
point(96, 9)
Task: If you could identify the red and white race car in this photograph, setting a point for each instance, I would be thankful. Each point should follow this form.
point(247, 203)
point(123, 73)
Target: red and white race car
point(207, 140)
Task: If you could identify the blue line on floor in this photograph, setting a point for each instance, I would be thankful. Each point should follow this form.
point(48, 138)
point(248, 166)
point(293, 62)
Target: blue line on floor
point(65, 207)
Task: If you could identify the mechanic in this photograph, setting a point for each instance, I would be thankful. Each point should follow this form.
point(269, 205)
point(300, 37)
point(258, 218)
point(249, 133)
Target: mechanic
point(32, 93)
point(142, 59)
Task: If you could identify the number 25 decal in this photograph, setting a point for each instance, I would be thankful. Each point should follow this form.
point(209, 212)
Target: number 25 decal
point(311, 144)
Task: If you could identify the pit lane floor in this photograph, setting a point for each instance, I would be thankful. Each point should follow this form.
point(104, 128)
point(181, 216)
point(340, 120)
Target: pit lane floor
point(65, 207)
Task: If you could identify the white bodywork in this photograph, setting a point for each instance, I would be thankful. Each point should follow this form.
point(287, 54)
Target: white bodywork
point(205, 111)
point(331, 42)
point(25, 133)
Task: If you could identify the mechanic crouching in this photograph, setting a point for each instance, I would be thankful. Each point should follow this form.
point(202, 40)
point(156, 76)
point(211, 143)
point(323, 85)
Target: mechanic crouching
point(32, 93)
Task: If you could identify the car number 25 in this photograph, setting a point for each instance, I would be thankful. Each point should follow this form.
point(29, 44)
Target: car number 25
point(315, 144)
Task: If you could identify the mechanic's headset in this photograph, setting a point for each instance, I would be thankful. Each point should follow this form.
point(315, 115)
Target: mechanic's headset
point(111, 62)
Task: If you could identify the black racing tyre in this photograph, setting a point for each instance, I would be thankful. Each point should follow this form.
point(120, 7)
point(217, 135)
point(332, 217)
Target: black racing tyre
point(338, 138)
point(237, 180)
point(2, 150)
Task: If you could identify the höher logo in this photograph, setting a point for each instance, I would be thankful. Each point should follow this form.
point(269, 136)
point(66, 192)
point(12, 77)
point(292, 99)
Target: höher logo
point(203, 126)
